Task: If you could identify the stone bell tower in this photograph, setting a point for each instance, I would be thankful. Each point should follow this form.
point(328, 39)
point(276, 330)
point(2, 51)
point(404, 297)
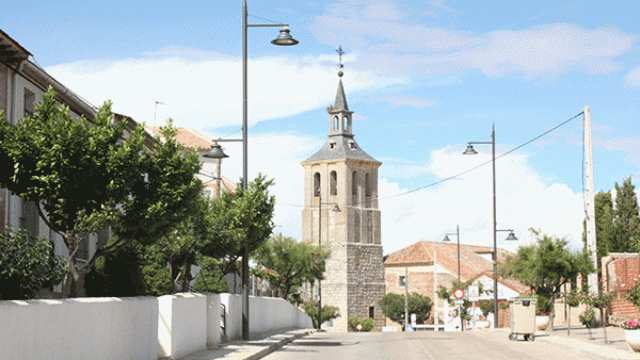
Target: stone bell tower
point(342, 173)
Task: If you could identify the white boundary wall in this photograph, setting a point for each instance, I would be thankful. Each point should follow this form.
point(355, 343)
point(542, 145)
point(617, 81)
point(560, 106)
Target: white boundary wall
point(170, 326)
point(265, 315)
point(85, 328)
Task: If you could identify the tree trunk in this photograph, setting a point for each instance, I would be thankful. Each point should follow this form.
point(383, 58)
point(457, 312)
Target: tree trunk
point(552, 312)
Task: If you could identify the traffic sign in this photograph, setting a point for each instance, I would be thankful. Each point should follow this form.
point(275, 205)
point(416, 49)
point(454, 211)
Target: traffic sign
point(458, 294)
point(359, 327)
point(474, 293)
point(459, 302)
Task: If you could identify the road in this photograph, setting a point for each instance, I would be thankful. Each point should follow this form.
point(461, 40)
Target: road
point(476, 345)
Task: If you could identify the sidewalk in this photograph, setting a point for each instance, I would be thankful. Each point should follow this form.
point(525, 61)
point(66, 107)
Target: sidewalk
point(257, 348)
point(594, 348)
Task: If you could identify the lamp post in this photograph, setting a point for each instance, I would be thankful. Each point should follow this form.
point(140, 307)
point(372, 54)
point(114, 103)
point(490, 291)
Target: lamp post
point(446, 239)
point(335, 209)
point(283, 39)
point(471, 151)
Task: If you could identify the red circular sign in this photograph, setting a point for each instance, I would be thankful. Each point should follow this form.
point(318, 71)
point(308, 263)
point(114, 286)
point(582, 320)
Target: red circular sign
point(359, 327)
point(458, 294)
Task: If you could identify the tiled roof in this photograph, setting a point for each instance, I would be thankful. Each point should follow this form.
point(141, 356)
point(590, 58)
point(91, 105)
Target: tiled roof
point(188, 138)
point(472, 264)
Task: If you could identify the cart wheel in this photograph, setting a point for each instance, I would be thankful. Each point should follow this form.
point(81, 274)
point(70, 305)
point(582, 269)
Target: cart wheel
point(532, 337)
point(529, 337)
point(513, 336)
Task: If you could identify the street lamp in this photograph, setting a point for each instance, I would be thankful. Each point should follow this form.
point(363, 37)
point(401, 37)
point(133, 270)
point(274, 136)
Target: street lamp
point(470, 151)
point(335, 209)
point(283, 39)
point(446, 239)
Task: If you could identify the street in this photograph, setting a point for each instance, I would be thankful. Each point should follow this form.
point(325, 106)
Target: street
point(430, 345)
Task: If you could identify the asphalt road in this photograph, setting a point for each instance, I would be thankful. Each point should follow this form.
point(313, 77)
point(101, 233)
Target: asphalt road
point(477, 345)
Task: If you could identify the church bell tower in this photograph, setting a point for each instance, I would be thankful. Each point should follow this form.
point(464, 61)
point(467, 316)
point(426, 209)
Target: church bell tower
point(342, 174)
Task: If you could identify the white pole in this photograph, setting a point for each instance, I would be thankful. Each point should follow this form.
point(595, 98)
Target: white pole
point(435, 290)
point(589, 198)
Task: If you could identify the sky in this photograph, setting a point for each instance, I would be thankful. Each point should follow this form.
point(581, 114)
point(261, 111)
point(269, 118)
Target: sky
point(423, 78)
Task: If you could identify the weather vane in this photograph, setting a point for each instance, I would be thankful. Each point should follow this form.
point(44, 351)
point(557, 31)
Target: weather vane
point(340, 65)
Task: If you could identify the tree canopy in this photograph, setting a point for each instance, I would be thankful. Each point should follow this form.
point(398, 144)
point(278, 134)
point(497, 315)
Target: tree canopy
point(392, 306)
point(287, 264)
point(86, 175)
point(547, 265)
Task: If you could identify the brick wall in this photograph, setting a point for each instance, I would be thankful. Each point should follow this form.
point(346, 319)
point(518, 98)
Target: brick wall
point(621, 271)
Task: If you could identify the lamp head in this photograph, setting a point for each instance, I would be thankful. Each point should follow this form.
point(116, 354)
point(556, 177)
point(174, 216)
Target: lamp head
point(470, 150)
point(446, 238)
point(284, 38)
point(336, 208)
point(216, 152)
point(511, 237)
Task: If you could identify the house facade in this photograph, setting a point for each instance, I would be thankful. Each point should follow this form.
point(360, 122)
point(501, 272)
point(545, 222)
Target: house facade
point(430, 265)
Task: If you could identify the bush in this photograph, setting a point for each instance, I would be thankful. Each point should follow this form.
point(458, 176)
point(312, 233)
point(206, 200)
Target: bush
point(328, 312)
point(588, 318)
point(27, 265)
point(210, 278)
point(367, 324)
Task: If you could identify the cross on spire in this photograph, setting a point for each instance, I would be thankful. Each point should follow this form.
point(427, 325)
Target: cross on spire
point(340, 52)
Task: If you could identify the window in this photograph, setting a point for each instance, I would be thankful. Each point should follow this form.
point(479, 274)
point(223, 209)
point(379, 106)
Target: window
point(336, 123)
point(344, 123)
point(371, 312)
point(29, 99)
point(334, 183)
point(367, 186)
point(354, 184)
point(316, 184)
point(83, 247)
point(332, 145)
point(29, 218)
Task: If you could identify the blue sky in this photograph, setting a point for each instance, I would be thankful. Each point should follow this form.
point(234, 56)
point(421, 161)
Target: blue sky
point(423, 78)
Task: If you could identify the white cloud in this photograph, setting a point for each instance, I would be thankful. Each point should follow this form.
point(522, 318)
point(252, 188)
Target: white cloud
point(403, 100)
point(633, 77)
point(400, 43)
point(524, 201)
point(203, 92)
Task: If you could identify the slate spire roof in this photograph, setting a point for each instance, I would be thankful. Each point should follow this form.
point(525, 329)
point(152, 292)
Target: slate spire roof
point(341, 145)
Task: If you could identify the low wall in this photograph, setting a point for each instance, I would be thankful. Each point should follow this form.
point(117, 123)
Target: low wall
point(86, 328)
point(182, 324)
point(265, 315)
point(170, 326)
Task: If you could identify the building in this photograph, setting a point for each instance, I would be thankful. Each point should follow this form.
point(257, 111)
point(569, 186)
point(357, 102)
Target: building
point(22, 83)
point(429, 265)
point(342, 173)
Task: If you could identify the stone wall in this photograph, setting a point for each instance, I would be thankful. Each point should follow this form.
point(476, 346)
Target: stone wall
point(366, 282)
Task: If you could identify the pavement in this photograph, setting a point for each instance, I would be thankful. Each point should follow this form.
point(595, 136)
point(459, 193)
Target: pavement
point(589, 344)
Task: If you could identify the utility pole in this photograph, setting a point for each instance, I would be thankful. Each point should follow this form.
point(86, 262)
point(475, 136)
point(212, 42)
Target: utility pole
point(406, 297)
point(589, 198)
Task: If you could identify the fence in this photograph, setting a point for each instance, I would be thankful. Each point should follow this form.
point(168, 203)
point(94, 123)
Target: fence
point(170, 326)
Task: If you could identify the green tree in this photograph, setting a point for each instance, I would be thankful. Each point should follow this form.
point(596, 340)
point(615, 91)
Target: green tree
point(626, 218)
point(210, 278)
point(604, 224)
point(86, 175)
point(328, 312)
point(546, 266)
point(27, 265)
point(239, 220)
point(287, 264)
point(392, 306)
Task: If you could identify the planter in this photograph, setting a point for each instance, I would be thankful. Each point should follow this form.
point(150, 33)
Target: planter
point(633, 339)
point(542, 322)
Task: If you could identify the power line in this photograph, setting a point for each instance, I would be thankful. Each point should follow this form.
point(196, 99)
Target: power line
point(465, 171)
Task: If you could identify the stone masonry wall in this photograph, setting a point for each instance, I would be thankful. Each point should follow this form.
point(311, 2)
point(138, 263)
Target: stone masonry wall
point(366, 282)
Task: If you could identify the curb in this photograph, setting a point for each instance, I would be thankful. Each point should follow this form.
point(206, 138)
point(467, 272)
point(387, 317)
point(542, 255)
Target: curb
point(591, 351)
point(279, 341)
